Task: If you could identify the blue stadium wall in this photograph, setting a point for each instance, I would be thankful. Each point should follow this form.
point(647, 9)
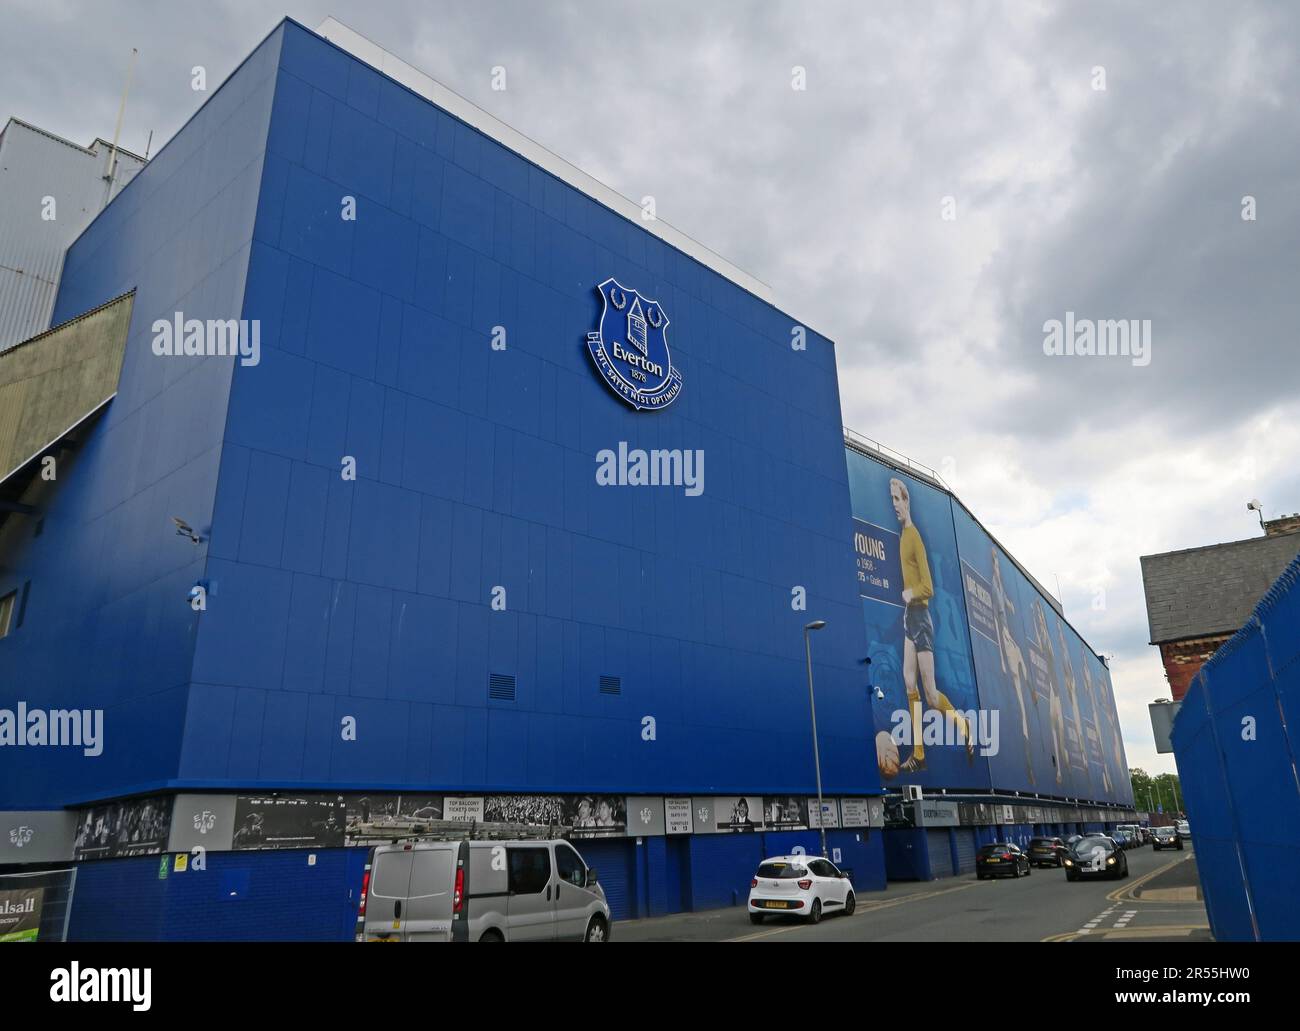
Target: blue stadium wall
point(1236, 743)
point(103, 629)
point(475, 469)
point(300, 895)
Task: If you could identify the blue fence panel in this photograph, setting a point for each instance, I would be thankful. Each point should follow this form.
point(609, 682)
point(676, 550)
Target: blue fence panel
point(1235, 740)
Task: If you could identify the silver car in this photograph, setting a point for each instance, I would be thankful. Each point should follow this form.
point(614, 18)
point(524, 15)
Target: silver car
point(481, 891)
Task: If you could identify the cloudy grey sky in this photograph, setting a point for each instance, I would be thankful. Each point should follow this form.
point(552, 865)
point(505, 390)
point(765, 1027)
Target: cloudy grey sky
point(1122, 203)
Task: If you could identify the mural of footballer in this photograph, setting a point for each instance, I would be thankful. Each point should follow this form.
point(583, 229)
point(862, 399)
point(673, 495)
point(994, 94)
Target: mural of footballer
point(1099, 719)
point(1013, 659)
point(1055, 714)
point(1105, 727)
point(918, 632)
point(1072, 693)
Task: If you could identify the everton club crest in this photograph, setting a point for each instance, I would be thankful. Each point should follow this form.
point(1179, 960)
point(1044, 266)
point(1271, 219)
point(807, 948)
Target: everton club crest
point(630, 348)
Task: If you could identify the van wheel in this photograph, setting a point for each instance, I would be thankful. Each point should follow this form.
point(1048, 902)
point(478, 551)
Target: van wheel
point(596, 930)
point(492, 936)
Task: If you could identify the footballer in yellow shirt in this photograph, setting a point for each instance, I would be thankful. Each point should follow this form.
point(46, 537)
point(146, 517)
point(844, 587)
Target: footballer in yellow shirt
point(918, 632)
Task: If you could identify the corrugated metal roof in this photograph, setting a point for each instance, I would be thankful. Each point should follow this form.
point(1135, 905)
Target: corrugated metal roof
point(34, 165)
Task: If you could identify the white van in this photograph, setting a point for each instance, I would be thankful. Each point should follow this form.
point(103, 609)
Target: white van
point(481, 891)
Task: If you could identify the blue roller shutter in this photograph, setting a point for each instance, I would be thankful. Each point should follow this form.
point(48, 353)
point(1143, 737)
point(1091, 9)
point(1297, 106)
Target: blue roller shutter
point(613, 860)
point(936, 840)
point(965, 849)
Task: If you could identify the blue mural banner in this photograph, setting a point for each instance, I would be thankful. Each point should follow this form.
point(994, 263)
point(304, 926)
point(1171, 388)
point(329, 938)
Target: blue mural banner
point(1060, 734)
point(977, 680)
point(925, 706)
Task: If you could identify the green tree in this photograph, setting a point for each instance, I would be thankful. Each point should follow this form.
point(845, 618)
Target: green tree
point(1153, 792)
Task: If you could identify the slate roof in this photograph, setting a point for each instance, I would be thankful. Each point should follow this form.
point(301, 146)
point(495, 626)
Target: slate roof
point(1214, 589)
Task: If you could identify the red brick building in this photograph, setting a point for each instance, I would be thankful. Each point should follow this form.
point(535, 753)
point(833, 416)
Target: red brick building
point(1199, 597)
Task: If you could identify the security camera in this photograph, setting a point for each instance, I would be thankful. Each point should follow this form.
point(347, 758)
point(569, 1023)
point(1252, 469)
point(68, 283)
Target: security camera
point(880, 694)
point(1254, 505)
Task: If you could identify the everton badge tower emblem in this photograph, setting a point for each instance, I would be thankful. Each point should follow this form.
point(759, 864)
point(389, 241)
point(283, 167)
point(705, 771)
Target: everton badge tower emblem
point(630, 348)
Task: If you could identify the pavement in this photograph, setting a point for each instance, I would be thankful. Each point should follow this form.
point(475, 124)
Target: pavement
point(1160, 901)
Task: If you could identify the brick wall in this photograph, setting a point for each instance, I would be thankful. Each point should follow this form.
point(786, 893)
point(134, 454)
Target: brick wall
point(1183, 660)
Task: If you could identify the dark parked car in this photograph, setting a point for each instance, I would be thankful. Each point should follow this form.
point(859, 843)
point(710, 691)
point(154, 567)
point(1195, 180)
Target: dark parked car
point(1095, 855)
point(1166, 837)
point(1002, 858)
point(1046, 851)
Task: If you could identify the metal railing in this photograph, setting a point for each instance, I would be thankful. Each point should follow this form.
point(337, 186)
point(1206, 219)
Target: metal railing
point(870, 447)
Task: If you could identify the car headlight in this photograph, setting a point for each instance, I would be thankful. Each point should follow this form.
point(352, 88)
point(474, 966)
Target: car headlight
point(1069, 862)
point(1110, 861)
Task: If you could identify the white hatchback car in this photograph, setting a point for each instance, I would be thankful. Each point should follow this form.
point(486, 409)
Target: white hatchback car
point(803, 886)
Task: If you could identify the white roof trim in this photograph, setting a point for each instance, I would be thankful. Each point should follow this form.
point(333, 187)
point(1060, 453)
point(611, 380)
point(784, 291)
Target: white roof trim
point(395, 68)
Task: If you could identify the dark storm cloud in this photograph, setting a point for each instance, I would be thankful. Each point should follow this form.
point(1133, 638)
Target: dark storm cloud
point(831, 193)
point(1192, 122)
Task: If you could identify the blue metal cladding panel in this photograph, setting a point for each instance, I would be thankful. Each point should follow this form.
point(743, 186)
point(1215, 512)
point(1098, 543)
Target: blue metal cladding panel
point(722, 865)
point(1236, 744)
point(107, 624)
point(862, 856)
point(614, 862)
point(241, 896)
point(906, 856)
point(476, 469)
point(785, 843)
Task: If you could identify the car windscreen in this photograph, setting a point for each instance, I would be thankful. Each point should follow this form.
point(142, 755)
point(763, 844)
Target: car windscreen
point(1085, 846)
point(989, 850)
point(781, 871)
point(1042, 841)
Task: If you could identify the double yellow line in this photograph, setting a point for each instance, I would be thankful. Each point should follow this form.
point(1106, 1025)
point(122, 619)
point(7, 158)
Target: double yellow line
point(1124, 893)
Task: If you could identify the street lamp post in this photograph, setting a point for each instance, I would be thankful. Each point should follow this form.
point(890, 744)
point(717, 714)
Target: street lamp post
point(816, 624)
